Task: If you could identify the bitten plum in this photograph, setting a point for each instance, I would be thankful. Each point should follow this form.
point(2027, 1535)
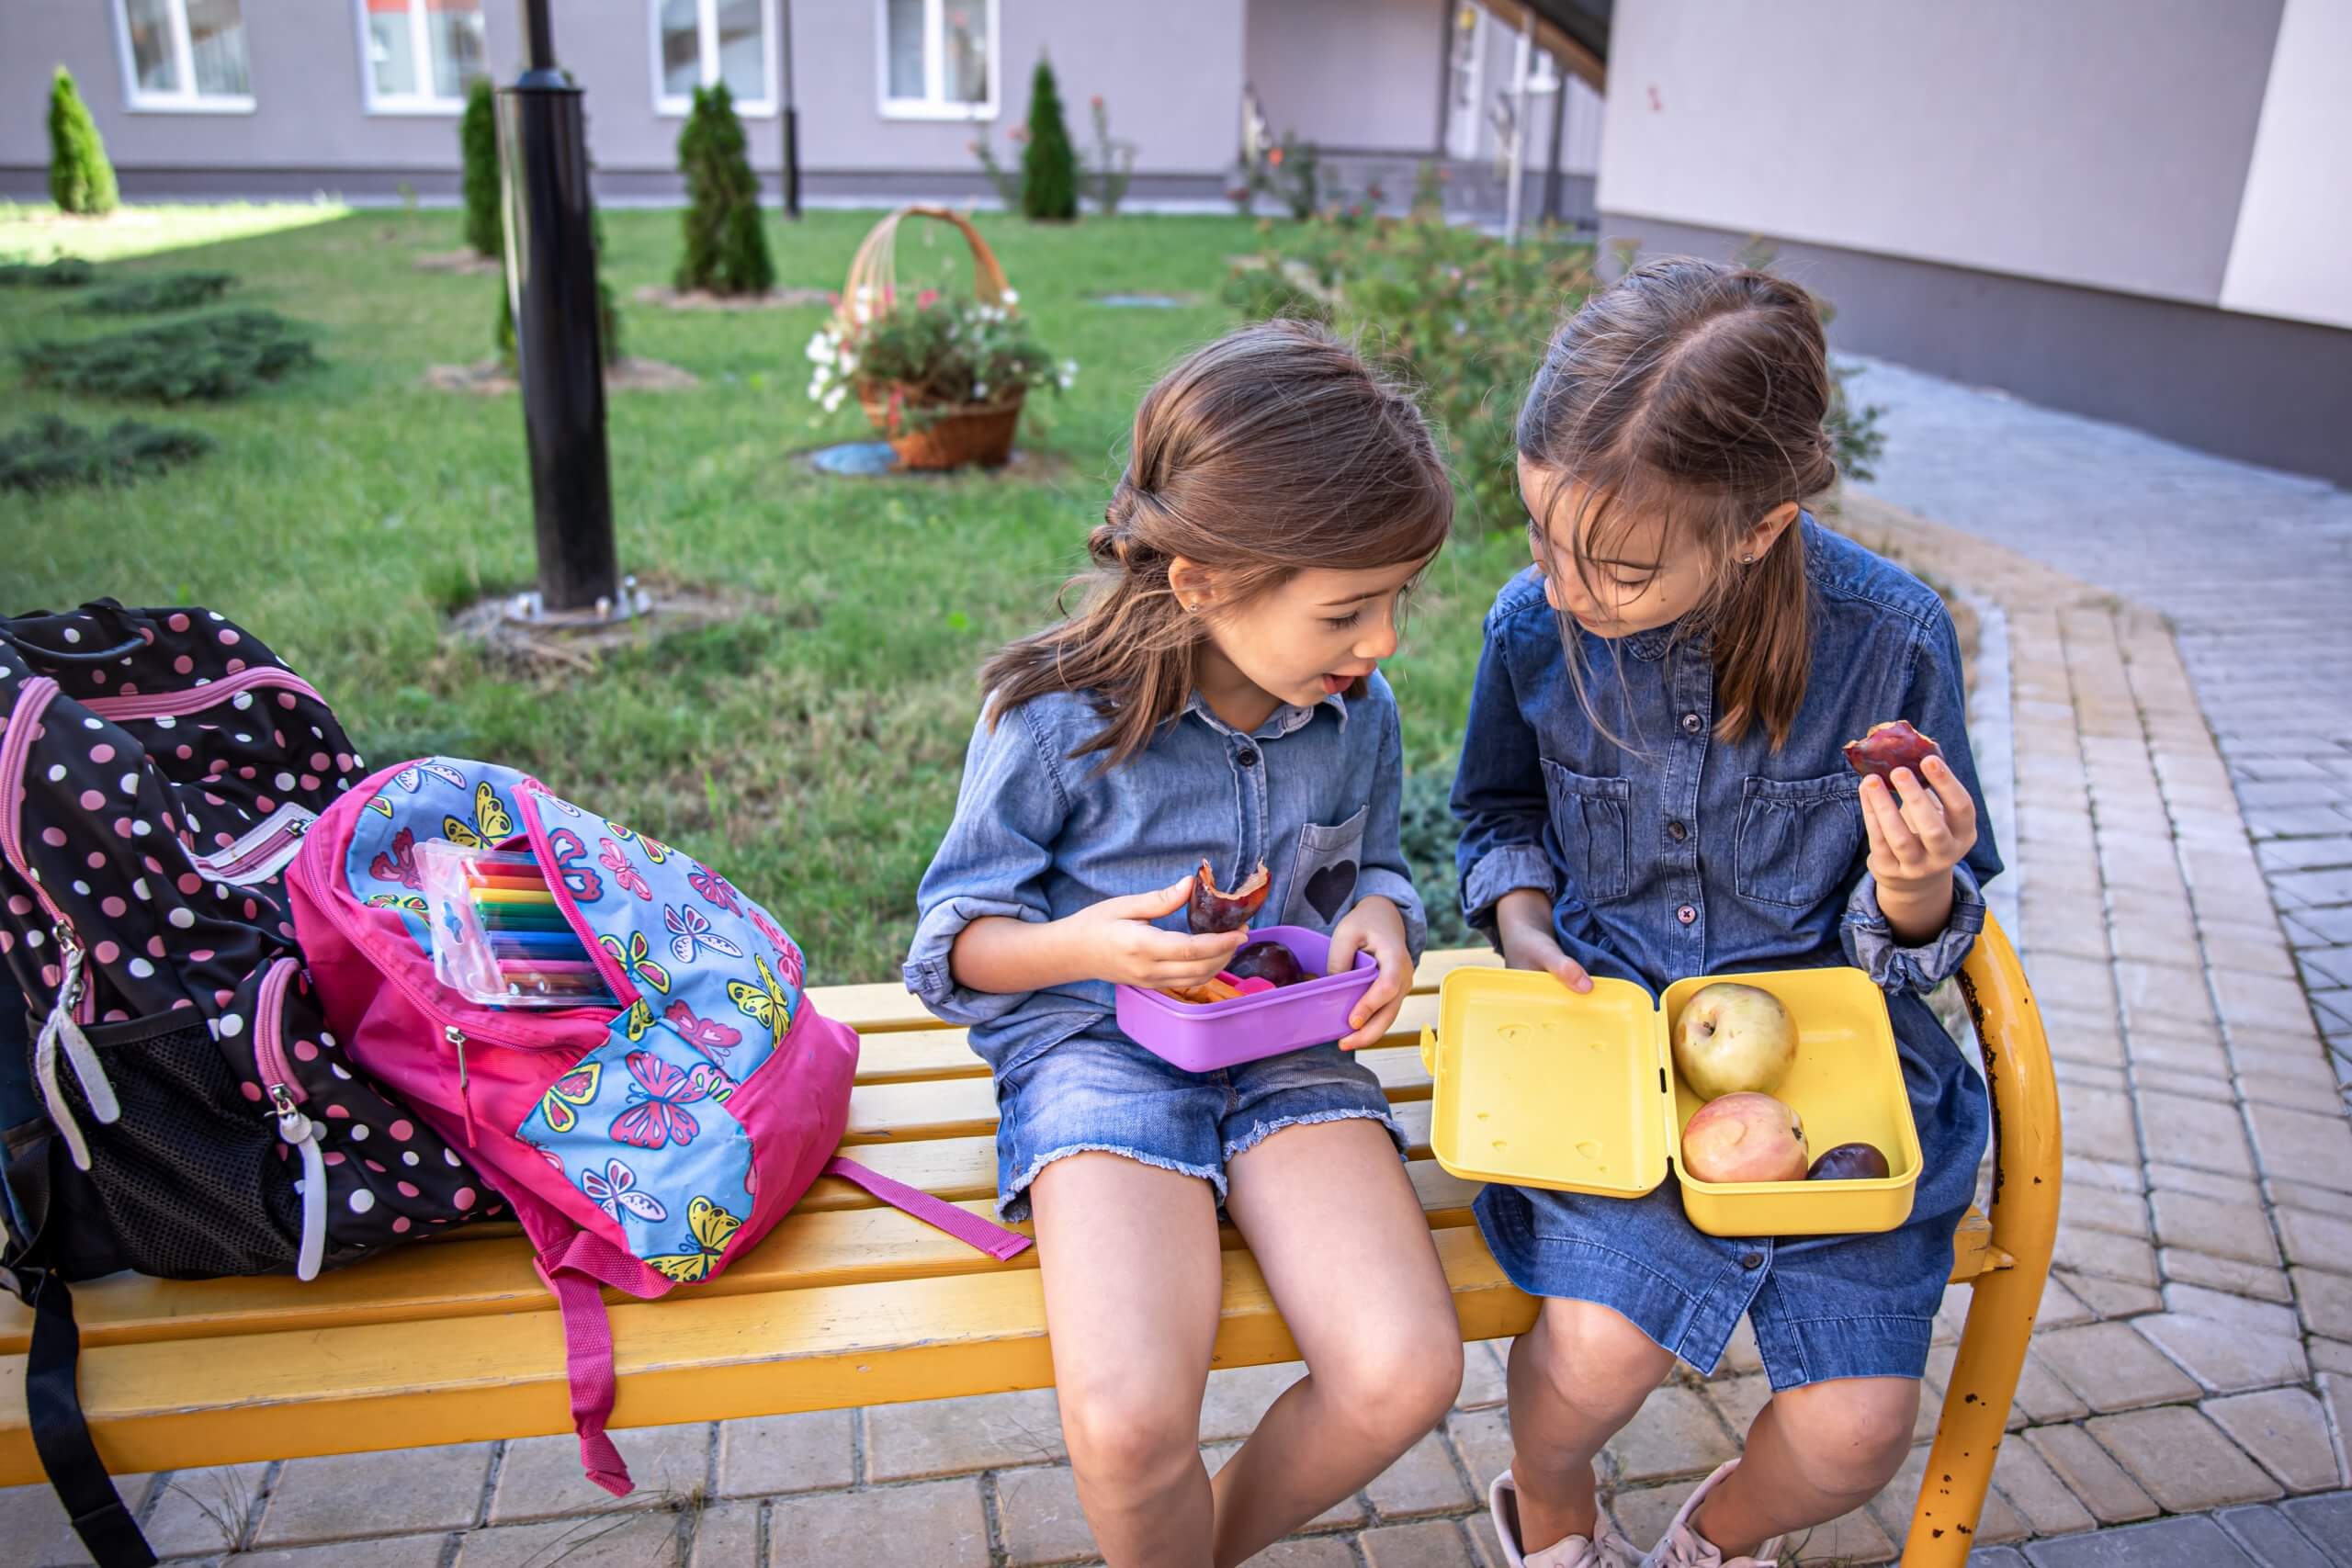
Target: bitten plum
point(1212, 910)
point(1889, 746)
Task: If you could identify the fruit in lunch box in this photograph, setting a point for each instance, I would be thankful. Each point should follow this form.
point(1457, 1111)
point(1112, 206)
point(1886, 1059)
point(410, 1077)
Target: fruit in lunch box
point(1267, 961)
point(1211, 909)
point(1734, 1039)
point(1745, 1137)
point(1889, 746)
point(1850, 1162)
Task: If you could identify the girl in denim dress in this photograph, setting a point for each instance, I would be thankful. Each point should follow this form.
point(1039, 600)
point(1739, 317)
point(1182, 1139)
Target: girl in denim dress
point(1652, 787)
point(1216, 698)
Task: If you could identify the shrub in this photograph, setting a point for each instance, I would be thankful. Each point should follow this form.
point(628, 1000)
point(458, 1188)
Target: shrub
point(80, 178)
point(1113, 164)
point(727, 248)
point(65, 272)
point(207, 358)
point(165, 292)
point(1049, 167)
point(1296, 175)
point(1265, 292)
point(1427, 834)
point(478, 141)
point(49, 453)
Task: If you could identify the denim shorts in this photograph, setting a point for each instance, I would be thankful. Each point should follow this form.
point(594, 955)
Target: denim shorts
point(1100, 1093)
point(1823, 1307)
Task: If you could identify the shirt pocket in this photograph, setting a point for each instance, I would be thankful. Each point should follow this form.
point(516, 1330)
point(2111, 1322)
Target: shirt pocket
point(1589, 817)
point(1324, 872)
point(1798, 838)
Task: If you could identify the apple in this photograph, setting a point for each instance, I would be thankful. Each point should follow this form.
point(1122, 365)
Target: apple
point(1745, 1137)
point(1850, 1162)
point(1734, 1039)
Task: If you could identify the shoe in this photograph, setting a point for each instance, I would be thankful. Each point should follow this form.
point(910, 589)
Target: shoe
point(1682, 1546)
point(1609, 1549)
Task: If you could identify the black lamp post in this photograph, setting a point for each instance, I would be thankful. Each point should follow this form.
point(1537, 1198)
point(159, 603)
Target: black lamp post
point(791, 122)
point(551, 286)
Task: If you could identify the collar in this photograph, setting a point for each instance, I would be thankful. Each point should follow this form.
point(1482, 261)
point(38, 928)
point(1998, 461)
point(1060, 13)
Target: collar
point(1283, 721)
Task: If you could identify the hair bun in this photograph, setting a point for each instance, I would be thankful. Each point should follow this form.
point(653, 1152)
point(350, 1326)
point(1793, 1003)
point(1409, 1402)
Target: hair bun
point(1107, 544)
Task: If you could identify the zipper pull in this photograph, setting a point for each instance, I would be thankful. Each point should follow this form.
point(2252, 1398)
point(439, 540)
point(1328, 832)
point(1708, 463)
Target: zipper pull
point(457, 1039)
point(293, 1126)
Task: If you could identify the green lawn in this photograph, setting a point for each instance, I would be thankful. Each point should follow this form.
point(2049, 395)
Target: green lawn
point(811, 749)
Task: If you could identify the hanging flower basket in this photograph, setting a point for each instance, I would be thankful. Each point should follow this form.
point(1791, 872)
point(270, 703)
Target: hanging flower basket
point(943, 379)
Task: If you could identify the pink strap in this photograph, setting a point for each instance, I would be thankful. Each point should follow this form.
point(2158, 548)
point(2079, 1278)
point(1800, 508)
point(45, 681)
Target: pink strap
point(574, 1271)
point(962, 1224)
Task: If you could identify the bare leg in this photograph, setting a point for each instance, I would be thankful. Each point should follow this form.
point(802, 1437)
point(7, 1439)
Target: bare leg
point(1133, 1280)
point(1813, 1453)
point(1576, 1378)
point(1339, 1234)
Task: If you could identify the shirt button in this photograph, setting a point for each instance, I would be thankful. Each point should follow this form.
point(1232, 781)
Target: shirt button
point(1751, 1260)
point(1677, 832)
point(1247, 758)
point(1693, 724)
point(1686, 914)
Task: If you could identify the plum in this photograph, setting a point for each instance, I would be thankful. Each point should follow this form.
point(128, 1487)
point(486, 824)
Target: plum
point(1212, 910)
point(1268, 961)
point(1850, 1162)
point(1889, 746)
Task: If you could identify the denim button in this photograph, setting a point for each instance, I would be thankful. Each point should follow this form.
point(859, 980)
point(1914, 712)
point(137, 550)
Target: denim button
point(1751, 1260)
point(1686, 914)
point(1247, 758)
point(1677, 832)
point(1693, 724)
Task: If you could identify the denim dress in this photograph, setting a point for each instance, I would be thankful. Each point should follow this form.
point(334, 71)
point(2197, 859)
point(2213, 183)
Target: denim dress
point(1681, 854)
point(1041, 833)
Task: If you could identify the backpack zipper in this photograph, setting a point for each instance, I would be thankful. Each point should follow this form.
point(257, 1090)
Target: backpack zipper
point(263, 852)
point(457, 1039)
point(197, 698)
point(295, 1130)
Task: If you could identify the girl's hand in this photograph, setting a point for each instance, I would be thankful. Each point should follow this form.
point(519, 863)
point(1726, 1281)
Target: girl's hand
point(1115, 941)
point(1916, 839)
point(1523, 922)
point(1375, 926)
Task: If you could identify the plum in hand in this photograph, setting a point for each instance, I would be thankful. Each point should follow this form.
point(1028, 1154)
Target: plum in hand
point(1889, 746)
point(1212, 911)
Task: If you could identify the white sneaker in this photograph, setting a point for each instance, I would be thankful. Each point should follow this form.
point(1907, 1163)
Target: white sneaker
point(1609, 1549)
point(1682, 1546)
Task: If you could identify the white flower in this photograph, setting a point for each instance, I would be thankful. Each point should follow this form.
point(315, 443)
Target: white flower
point(834, 399)
point(1011, 296)
point(979, 391)
point(846, 359)
point(820, 347)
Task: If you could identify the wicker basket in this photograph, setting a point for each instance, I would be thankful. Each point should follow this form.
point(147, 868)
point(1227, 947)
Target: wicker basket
point(940, 436)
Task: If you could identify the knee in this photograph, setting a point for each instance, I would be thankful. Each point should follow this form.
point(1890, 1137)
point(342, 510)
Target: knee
point(1591, 1358)
point(1849, 1437)
point(1130, 1438)
point(1397, 1387)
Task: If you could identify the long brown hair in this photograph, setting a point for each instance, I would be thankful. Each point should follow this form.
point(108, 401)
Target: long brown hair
point(1270, 451)
point(1695, 392)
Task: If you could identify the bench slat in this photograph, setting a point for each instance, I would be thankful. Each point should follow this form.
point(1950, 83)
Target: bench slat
point(347, 1390)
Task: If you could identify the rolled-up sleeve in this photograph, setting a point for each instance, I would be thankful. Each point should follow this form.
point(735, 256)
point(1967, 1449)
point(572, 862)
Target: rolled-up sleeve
point(1383, 855)
point(1935, 701)
point(1009, 810)
point(1499, 797)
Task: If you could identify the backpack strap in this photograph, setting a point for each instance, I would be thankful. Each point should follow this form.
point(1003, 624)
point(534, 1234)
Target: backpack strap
point(576, 1270)
point(962, 1224)
point(60, 1436)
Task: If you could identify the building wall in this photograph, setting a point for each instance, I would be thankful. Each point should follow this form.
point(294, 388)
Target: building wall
point(1357, 75)
point(2103, 142)
point(2293, 253)
point(311, 129)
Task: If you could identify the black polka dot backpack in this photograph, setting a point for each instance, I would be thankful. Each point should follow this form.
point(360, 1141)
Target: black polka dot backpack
point(172, 1100)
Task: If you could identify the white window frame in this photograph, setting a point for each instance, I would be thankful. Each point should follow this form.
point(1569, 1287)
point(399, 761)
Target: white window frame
point(933, 105)
point(672, 107)
point(420, 51)
point(190, 99)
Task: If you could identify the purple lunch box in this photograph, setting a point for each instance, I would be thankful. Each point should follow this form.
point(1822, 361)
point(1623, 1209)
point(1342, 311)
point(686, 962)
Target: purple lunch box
point(1202, 1037)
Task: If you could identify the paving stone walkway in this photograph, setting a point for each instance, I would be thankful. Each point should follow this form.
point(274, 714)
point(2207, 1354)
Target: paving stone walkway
point(2166, 730)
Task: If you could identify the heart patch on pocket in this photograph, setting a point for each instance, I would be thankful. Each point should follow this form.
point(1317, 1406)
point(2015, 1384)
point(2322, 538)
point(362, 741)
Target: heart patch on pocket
point(1328, 887)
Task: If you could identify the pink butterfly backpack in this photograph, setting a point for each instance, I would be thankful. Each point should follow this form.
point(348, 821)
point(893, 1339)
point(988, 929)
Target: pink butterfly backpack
point(644, 1144)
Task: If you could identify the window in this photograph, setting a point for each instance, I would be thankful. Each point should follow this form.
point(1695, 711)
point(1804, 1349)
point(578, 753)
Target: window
point(419, 56)
point(698, 43)
point(185, 55)
point(938, 58)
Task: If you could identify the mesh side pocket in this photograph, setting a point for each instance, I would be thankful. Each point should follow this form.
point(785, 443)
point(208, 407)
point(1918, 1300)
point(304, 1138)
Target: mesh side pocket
point(190, 1182)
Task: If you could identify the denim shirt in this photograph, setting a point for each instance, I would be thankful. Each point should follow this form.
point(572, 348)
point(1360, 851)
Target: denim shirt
point(1689, 854)
point(1039, 834)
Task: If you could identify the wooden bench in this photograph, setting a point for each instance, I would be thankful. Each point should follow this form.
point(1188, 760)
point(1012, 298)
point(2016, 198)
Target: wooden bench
point(851, 1303)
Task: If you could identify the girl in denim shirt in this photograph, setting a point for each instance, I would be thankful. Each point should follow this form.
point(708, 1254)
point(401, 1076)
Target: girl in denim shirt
point(1216, 697)
point(1652, 787)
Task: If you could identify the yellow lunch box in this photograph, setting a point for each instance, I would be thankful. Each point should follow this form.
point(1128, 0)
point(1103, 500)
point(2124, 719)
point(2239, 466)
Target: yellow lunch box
point(1536, 1085)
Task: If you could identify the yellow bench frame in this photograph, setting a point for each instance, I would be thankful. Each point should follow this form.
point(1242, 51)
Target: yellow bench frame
point(851, 1303)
